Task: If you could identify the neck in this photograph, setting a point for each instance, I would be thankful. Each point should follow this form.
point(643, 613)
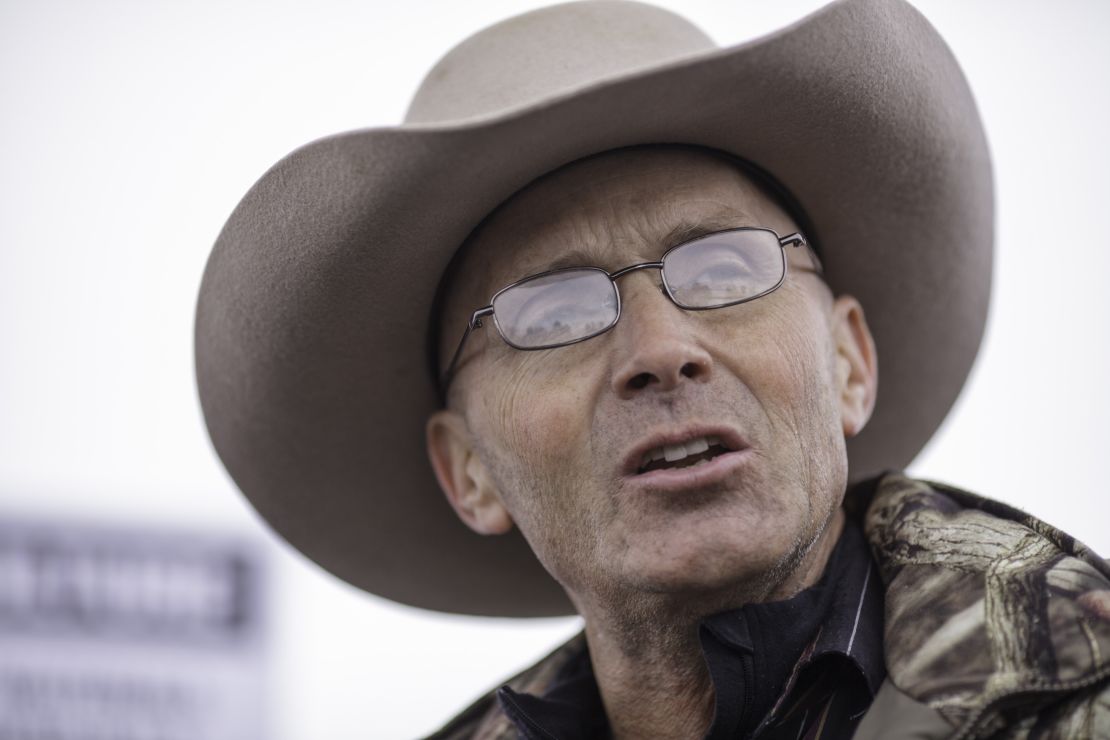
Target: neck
point(647, 656)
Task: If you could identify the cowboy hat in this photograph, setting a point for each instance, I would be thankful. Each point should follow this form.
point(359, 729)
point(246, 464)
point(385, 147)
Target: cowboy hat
point(315, 304)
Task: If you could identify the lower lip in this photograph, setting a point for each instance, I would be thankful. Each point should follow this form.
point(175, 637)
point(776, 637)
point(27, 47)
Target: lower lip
point(677, 480)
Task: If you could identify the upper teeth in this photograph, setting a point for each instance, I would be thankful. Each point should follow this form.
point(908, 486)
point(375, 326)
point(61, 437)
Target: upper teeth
point(676, 452)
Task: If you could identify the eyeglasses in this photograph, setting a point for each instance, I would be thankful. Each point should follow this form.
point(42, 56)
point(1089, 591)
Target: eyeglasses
point(570, 305)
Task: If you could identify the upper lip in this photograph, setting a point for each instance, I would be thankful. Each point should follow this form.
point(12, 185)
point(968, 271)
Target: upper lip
point(729, 437)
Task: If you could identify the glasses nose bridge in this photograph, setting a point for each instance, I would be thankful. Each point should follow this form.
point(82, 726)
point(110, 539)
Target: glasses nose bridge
point(634, 268)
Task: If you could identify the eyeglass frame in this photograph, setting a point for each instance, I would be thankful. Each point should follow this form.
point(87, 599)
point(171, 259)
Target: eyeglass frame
point(795, 239)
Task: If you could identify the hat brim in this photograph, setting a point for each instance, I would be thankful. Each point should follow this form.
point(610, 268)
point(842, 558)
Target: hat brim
point(314, 307)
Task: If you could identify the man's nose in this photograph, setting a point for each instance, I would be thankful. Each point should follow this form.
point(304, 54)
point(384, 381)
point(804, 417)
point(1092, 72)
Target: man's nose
point(656, 347)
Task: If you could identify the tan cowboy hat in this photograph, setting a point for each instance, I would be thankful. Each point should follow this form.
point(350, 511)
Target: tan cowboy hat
point(315, 306)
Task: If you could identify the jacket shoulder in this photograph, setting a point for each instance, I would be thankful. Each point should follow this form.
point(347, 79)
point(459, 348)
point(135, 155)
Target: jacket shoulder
point(995, 619)
point(484, 720)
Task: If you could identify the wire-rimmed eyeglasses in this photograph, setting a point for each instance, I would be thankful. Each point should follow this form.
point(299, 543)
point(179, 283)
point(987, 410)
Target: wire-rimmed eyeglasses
point(565, 306)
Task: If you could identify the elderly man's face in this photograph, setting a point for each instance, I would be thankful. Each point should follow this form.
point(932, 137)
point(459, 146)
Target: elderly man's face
point(552, 440)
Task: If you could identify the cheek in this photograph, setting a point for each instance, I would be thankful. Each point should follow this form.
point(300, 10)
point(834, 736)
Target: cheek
point(790, 367)
point(810, 402)
point(786, 356)
point(536, 412)
point(534, 421)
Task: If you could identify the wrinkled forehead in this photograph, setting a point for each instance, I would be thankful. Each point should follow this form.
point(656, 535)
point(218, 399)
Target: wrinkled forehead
point(613, 209)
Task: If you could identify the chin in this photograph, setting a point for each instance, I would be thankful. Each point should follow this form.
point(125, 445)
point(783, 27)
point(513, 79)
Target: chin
point(696, 565)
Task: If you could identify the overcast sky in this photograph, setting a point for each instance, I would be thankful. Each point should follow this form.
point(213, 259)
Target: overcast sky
point(131, 129)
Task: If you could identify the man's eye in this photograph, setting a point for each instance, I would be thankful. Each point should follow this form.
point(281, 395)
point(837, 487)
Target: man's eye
point(544, 322)
point(556, 309)
point(724, 280)
point(722, 275)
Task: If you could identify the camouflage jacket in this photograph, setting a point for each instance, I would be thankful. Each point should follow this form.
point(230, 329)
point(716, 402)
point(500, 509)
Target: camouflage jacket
point(997, 624)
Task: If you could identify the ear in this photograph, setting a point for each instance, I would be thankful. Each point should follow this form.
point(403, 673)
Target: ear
point(463, 476)
point(856, 364)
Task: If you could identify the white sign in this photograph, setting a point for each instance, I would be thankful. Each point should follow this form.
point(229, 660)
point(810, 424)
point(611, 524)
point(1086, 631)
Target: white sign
point(128, 634)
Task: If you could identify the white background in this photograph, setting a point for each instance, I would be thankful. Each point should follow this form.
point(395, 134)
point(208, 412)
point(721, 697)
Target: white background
point(129, 130)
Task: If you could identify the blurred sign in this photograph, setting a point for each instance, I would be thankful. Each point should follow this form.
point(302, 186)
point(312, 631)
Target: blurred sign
point(129, 634)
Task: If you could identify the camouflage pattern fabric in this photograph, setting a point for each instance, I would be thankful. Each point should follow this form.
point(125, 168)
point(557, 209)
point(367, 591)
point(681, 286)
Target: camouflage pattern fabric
point(995, 621)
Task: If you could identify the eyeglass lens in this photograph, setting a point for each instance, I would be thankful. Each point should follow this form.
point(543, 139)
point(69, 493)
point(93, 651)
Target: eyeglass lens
point(724, 268)
point(556, 308)
point(574, 304)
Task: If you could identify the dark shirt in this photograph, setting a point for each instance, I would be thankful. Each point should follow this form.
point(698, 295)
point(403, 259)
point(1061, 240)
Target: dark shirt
point(807, 667)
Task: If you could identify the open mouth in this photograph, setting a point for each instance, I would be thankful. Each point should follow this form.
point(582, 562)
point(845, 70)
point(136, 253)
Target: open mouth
point(688, 454)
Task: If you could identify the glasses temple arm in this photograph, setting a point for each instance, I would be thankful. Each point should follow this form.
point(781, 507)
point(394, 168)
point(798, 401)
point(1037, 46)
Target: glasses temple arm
point(797, 240)
point(475, 322)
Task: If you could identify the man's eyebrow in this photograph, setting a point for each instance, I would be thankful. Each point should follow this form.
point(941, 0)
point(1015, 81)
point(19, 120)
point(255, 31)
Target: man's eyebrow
point(571, 258)
point(692, 229)
point(684, 231)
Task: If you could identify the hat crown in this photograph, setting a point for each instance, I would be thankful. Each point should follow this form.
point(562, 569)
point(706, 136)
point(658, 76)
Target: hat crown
point(548, 52)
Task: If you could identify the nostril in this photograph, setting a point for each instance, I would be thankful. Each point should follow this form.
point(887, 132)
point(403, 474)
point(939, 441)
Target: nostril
point(690, 370)
point(639, 382)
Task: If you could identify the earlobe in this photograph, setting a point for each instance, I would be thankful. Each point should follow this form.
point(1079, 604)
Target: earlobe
point(463, 476)
point(857, 364)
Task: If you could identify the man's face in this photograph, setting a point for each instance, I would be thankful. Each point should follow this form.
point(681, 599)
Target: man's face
point(552, 440)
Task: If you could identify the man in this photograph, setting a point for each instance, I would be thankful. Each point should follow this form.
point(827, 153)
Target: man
point(656, 280)
point(748, 407)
